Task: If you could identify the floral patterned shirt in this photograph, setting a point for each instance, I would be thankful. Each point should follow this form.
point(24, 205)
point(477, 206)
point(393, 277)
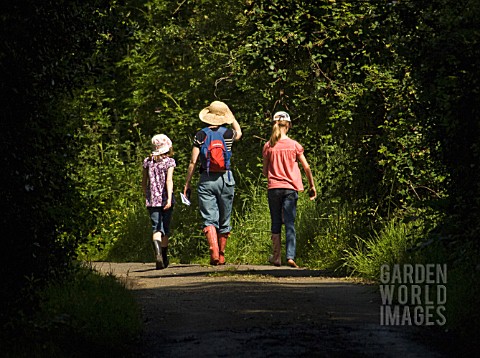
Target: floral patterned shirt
point(157, 174)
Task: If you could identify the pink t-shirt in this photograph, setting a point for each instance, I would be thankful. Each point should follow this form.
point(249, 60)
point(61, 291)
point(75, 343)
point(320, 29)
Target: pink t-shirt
point(283, 170)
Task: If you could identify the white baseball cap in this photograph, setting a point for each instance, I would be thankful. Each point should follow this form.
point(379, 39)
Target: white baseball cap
point(281, 116)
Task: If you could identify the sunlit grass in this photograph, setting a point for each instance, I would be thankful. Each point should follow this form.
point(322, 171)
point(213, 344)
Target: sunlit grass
point(392, 245)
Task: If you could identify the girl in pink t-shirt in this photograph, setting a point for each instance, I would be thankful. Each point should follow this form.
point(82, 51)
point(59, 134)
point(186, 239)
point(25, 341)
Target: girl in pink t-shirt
point(280, 165)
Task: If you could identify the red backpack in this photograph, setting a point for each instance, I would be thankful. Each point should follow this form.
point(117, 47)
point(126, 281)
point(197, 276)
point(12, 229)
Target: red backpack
point(214, 154)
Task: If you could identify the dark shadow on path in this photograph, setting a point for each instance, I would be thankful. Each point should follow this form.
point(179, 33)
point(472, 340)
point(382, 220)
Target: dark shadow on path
point(235, 270)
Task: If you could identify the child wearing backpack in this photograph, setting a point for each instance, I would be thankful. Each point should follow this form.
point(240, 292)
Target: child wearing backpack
point(216, 187)
point(157, 185)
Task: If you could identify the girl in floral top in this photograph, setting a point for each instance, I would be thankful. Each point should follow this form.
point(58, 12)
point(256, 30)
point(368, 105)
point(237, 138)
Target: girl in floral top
point(157, 184)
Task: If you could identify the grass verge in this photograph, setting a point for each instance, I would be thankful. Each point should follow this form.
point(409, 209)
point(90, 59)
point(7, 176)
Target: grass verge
point(86, 314)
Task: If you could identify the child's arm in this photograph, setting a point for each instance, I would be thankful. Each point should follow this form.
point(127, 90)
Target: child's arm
point(265, 166)
point(169, 183)
point(312, 192)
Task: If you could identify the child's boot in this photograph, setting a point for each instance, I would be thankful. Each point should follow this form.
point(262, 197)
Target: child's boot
point(275, 259)
point(165, 256)
point(157, 248)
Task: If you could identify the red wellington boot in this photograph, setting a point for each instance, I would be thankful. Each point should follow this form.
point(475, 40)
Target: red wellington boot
point(222, 243)
point(211, 235)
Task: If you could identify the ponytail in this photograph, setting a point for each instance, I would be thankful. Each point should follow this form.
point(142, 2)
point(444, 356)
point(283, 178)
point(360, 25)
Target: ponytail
point(276, 131)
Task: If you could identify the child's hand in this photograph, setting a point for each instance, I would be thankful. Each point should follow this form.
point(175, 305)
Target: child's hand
point(168, 205)
point(312, 193)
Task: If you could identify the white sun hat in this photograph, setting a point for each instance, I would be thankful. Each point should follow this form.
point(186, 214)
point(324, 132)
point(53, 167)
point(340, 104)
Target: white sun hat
point(161, 143)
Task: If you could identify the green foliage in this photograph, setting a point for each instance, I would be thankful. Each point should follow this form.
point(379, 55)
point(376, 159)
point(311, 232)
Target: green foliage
point(328, 229)
point(84, 313)
point(351, 102)
point(339, 68)
point(126, 238)
point(250, 241)
point(444, 63)
point(394, 244)
point(46, 52)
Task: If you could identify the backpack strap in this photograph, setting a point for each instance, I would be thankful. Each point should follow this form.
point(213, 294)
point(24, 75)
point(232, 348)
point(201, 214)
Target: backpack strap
point(222, 130)
point(204, 161)
point(206, 130)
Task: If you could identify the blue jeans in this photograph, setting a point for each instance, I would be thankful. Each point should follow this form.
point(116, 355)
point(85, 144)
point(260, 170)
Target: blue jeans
point(283, 209)
point(160, 219)
point(215, 199)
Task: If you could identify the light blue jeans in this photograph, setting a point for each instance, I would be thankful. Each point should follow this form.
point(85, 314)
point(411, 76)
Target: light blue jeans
point(283, 209)
point(215, 199)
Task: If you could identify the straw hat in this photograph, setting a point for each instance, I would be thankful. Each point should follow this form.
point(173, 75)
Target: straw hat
point(216, 114)
point(161, 143)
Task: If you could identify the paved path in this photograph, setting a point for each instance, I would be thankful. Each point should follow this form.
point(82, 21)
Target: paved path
point(262, 311)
